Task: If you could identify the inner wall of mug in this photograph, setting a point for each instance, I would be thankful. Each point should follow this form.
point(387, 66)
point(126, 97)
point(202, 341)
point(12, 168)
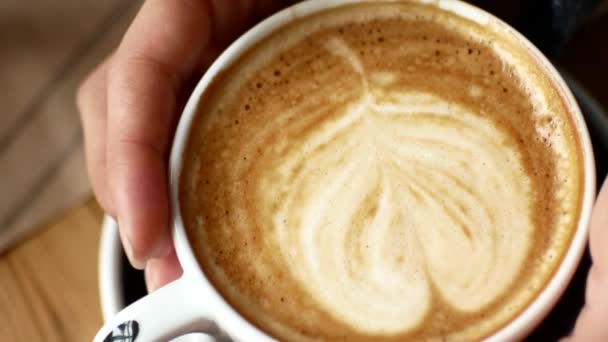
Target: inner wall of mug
point(227, 317)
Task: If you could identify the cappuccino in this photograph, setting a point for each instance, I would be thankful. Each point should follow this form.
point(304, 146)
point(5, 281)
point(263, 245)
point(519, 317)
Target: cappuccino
point(382, 171)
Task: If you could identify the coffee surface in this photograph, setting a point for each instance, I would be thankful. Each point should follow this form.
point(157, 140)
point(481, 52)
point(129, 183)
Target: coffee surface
point(385, 171)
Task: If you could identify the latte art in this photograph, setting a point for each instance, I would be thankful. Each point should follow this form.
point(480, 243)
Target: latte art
point(386, 171)
point(394, 197)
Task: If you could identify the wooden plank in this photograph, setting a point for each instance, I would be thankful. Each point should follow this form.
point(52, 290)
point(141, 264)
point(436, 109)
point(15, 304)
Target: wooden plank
point(49, 283)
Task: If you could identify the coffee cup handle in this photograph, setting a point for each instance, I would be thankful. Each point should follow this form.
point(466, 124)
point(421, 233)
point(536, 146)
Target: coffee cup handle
point(159, 316)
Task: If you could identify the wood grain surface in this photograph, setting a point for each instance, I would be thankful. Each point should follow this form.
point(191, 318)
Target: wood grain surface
point(48, 284)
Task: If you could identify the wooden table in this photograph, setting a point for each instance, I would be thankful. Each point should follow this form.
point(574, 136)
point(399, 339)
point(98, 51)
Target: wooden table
point(48, 284)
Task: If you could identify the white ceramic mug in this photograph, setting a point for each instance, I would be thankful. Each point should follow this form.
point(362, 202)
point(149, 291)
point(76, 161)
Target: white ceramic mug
point(192, 304)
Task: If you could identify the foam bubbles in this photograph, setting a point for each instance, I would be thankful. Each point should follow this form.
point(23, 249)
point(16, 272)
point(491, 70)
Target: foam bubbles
point(475, 91)
point(392, 180)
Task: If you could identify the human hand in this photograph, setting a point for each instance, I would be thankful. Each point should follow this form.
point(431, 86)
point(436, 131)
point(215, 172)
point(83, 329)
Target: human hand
point(129, 108)
point(591, 323)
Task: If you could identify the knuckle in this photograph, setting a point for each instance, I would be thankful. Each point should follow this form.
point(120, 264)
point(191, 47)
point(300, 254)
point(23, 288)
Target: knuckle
point(138, 63)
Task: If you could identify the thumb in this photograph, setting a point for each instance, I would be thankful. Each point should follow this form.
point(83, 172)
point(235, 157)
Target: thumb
point(591, 323)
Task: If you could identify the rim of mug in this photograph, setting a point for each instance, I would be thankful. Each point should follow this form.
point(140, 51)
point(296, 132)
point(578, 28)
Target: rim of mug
point(234, 323)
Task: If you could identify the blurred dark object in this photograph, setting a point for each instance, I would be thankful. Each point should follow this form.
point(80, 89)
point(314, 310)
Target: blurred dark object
point(549, 24)
point(134, 284)
point(585, 57)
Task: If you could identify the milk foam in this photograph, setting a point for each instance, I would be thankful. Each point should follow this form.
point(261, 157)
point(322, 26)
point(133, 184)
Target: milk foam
point(392, 198)
point(396, 181)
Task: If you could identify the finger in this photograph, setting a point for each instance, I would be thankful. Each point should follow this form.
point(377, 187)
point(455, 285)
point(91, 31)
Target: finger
point(160, 49)
point(590, 325)
point(598, 235)
point(162, 271)
point(91, 101)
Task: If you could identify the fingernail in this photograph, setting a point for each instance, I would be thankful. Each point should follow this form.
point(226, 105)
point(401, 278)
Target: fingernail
point(138, 264)
point(151, 281)
point(163, 247)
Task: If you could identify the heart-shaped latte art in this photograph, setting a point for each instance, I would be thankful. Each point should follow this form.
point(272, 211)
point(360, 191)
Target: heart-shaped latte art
point(402, 196)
